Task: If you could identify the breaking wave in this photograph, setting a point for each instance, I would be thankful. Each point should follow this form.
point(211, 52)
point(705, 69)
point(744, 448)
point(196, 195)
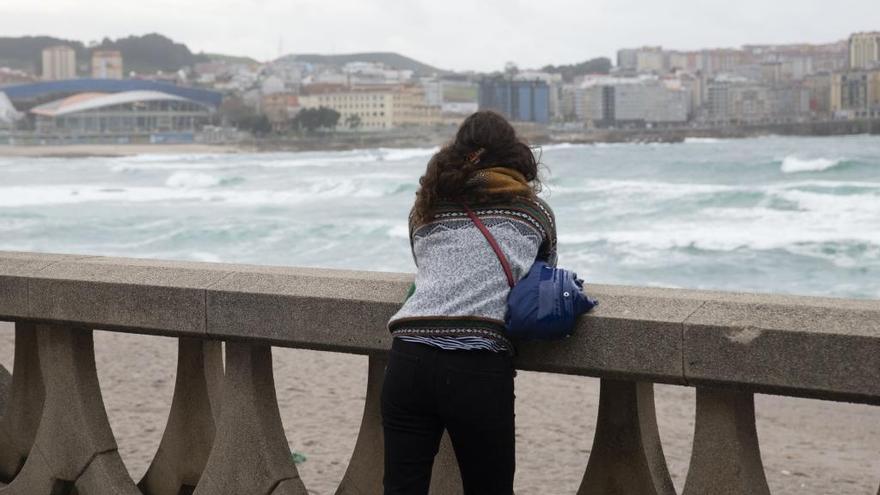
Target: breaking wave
point(794, 165)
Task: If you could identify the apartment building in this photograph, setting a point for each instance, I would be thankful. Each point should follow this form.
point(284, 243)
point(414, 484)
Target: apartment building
point(864, 51)
point(376, 107)
point(59, 62)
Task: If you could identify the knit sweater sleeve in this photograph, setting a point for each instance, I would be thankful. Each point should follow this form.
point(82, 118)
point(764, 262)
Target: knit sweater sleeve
point(412, 228)
point(547, 250)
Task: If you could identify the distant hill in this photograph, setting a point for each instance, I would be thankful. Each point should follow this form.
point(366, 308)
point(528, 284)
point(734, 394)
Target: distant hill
point(143, 54)
point(389, 59)
point(25, 53)
point(152, 52)
point(600, 65)
point(231, 59)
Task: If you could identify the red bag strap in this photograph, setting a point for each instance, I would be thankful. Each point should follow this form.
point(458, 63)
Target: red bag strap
point(492, 242)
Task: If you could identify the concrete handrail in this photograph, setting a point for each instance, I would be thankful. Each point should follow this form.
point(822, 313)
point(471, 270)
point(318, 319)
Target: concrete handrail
point(790, 345)
point(224, 433)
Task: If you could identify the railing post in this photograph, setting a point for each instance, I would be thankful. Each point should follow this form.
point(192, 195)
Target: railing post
point(627, 456)
point(24, 403)
point(726, 456)
point(195, 408)
point(250, 452)
point(5, 385)
point(366, 467)
point(74, 447)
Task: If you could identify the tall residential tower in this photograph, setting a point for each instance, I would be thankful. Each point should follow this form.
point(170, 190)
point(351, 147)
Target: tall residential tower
point(59, 62)
point(864, 51)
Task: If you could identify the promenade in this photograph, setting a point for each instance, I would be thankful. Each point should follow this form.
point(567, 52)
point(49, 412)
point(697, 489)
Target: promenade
point(807, 446)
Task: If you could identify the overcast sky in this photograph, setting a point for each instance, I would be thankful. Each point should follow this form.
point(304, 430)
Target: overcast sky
point(450, 34)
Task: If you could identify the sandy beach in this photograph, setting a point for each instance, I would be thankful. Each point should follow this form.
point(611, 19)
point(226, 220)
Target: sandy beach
point(808, 446)
point(85, 150)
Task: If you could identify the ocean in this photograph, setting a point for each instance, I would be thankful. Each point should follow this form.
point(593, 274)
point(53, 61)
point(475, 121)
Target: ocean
point(774, 214)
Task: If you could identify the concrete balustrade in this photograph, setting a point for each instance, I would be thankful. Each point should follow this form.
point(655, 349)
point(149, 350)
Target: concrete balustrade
point(224, 434)
point(195, 411)
point(627, 456)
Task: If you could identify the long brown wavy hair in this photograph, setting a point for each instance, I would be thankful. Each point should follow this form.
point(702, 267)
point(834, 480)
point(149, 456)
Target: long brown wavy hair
point(449, 169)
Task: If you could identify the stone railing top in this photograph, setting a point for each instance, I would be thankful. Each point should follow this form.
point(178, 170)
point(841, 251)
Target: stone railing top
point(806, 346)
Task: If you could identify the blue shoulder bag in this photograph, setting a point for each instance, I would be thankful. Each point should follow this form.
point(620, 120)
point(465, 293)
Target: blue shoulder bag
point(545, 303)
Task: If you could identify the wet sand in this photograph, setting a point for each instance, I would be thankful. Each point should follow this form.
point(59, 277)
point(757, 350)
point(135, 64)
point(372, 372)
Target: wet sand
point(808, 446)
point(85, 150)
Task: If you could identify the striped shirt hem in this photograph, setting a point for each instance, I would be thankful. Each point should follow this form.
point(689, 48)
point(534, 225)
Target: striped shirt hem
point(465, 343)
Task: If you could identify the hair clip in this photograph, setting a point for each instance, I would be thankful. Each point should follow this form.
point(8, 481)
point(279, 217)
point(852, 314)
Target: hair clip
point(474, 157)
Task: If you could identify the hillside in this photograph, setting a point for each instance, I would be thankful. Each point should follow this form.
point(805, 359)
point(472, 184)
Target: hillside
point(24, 53)
point(152, 52)
point(600, 65)
point(143, 54)
point(231, 59)
point(389, 59)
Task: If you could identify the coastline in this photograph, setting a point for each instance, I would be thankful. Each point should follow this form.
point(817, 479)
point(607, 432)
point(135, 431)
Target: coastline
point(433, 137)
point(113, 150)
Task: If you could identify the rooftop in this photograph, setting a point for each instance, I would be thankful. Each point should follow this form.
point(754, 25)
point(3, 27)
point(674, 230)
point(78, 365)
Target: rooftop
point(89, 101)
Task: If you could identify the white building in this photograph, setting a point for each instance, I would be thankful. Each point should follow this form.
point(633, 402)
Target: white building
point(272, 85)
point(59, 62)
point(373, 73)
point(455, 97)
point(644, 100)
point(107, 64)
point(8, 113)
point(644, 60)
point(864, 50)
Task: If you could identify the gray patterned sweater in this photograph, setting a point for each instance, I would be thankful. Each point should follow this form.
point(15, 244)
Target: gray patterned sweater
point(460, 291)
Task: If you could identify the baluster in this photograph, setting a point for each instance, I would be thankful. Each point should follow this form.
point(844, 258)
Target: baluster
point(250, 452)
point(189, 432)
point(24, 404)
point(5, 384)
point(726, 457)
point(74, 447)
point(367, 464)
point(627, 456)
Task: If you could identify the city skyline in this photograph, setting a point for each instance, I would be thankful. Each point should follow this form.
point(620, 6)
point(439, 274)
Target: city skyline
point(440, 35)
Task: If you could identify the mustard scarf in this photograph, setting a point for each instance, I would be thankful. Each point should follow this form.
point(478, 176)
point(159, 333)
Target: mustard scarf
point(500, 180)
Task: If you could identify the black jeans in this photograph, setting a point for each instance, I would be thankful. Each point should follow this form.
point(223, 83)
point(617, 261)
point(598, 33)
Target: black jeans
point(470, 394)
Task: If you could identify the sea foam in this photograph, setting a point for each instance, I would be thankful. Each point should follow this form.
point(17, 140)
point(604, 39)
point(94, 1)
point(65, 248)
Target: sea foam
point(794, 165)
point(192, 180)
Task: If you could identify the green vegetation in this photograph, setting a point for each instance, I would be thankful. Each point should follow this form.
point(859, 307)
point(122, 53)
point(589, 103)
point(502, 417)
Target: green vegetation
point(599, 65)
point(25, 53)
point(392, 60)
point(353, 121)
point(234, 111)
point(312, 119)
point(230, 59)
point(151, 53)
point(143, 54)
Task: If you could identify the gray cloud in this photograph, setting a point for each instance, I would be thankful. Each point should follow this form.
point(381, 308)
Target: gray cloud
point(453, 34)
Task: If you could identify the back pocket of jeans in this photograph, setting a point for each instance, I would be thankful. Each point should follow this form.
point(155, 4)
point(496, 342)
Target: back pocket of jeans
point(400, 376)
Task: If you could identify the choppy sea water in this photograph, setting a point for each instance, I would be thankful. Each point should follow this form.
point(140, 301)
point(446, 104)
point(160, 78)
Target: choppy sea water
point(789, 215)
